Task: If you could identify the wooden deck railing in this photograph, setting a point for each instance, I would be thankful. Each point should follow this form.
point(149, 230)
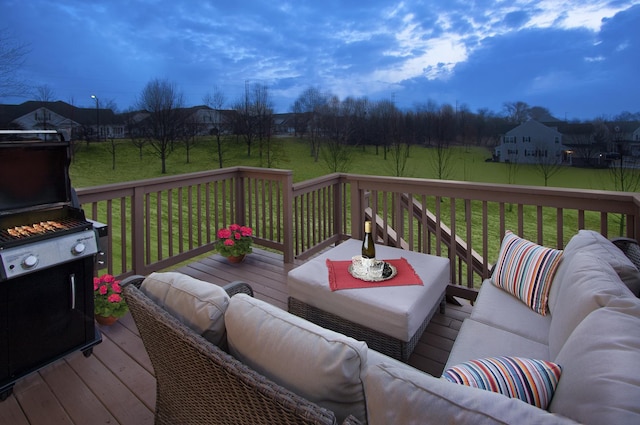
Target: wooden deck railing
point(157, 223)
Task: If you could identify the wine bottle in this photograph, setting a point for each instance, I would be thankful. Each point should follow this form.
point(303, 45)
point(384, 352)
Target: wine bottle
point(368, 247)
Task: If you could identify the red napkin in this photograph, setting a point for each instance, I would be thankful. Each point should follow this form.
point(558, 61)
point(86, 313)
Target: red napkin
point(340, 278)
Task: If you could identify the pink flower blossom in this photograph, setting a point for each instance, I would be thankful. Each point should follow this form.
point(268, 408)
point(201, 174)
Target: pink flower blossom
point(96, 283)
point(103, 290)
point(229, 242)
point(237, 235)
point(246, 231)
point(224, 233)
point(107, 278)
point(115, 286)
point(114, 298)
point(234, 227)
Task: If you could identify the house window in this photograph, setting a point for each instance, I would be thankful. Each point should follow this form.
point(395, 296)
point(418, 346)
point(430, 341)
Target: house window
point(526, 139)
point(509, 139)
point(557, 140)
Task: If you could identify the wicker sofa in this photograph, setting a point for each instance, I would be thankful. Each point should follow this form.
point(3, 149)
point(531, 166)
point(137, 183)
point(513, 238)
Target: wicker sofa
point(198, 382)
point(251, 362)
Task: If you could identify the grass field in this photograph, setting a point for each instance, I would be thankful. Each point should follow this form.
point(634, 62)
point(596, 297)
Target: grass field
point(92, 164)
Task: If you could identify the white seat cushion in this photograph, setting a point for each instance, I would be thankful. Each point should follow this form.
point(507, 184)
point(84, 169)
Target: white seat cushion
point(515, 316)
point(198, 304)
point(478, 340)
point(321, 365)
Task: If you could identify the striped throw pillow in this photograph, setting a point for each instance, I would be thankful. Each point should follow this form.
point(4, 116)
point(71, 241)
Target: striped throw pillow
point(526, 270)
point(530, 380)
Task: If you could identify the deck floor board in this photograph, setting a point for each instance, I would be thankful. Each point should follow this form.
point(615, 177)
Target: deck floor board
point(116, 385)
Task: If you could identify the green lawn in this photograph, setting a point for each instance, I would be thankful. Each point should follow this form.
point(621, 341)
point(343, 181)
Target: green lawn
point(92, 165)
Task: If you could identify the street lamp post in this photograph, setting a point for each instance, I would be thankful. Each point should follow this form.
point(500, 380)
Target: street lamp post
point(93, 96)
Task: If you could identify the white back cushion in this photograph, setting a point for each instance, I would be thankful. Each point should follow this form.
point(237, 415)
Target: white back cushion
point(198, 304)
point(601, 247)
point(590, 283)
point(323, 366)
point(600, 381)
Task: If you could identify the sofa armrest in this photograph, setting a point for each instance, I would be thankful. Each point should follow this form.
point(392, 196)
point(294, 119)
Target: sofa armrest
point(135, 280)
point(351, 420)
point(231, 289)
point(238, 287)
point(631, 249)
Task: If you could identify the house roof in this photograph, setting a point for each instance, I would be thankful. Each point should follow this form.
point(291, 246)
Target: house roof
point(533, 125)
point(86, 116)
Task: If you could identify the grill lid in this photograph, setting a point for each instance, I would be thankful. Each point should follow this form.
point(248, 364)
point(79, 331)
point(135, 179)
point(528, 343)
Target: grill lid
point(33, 173)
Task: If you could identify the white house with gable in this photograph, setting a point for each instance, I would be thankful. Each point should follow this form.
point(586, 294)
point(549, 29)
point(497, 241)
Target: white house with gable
point(531, 143)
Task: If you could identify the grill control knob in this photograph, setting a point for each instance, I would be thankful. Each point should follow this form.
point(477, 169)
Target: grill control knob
point(78, 248)
point(30, 261)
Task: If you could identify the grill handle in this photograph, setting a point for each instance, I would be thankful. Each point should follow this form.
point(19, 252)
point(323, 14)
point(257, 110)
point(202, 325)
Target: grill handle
point(72, 280)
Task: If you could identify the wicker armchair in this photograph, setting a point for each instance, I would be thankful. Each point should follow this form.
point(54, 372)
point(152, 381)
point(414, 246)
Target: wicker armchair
point(199, 383)
point(631, 249)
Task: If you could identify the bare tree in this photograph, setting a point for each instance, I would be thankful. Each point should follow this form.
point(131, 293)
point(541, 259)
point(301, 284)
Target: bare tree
point(546, 163)
point(12, 57)
point(624, 172)
point(44, 93)
point(163, 102)
point(245, 119)
point(263, 108)
point(336, 128)
point(308, 108)
point(216, 100)
point(442, 158)
point(516, 112)
point(192, 128)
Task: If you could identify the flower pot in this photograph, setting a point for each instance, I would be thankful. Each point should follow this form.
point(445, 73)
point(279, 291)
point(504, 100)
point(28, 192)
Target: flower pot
point(236, 259)
point(106, 321)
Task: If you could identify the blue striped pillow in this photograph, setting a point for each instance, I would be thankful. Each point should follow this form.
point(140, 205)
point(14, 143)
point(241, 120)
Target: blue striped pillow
point(526, 270)
point(530, 380)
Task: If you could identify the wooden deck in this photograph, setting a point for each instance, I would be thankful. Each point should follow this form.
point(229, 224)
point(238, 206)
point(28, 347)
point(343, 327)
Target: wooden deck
point(116, 385)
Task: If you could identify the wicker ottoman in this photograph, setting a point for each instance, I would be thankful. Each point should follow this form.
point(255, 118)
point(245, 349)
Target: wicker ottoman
point(389, 319)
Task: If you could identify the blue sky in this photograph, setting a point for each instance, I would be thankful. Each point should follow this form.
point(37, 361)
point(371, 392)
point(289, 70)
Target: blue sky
point(579, 58)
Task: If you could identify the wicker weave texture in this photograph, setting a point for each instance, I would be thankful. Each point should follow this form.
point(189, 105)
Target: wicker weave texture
point(631, 249)
point(198, 383)
point(385, 344)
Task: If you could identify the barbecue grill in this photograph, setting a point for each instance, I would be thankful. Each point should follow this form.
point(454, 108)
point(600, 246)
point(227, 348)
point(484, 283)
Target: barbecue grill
point(47, 257)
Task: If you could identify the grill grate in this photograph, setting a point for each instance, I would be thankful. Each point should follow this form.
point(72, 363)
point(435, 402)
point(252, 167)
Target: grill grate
point(41, 230)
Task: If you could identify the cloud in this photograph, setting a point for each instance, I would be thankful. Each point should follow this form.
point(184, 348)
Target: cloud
point(483, 53)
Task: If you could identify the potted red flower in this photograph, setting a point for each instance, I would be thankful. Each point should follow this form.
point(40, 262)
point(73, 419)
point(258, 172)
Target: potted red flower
point(234, 242)
point(109, 304)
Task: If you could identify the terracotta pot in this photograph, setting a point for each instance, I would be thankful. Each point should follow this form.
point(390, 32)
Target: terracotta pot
point(236, 259)
point(106, 321)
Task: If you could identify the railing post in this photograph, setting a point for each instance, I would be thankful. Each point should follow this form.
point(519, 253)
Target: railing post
point(357, 210)
point(287, 218)
point(338, 207)
point(240, 213)
point(137, 230)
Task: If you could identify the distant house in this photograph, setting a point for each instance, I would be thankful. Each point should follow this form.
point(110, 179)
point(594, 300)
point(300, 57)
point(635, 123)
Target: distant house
point(531, 143)
point(79, 123)
point(208, 120)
